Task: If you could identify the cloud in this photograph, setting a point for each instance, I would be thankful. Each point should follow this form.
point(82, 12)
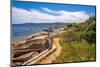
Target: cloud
point(50, 11)
point(20, 15)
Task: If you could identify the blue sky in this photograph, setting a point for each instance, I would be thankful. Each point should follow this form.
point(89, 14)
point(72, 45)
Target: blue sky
point(54, 12)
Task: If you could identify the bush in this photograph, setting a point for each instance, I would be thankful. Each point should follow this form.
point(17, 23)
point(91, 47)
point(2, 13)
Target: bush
point(79, 44)
point(89, 36)
point(71, 36)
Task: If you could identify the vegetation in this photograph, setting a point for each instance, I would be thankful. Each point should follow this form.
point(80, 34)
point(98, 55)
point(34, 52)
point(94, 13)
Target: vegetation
point(79, 42)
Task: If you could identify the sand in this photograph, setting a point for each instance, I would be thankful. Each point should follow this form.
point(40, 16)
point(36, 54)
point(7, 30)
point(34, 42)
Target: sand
point(52, 57)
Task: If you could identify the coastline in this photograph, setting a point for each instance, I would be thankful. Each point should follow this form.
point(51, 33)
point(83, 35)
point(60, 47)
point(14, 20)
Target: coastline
point(25, 37)
point(35, 34)
point(35, 43)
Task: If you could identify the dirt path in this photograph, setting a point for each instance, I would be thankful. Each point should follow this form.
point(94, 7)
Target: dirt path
point(53, 56)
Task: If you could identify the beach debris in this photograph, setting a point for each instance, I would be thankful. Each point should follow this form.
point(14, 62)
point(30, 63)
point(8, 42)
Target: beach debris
point(31, 47)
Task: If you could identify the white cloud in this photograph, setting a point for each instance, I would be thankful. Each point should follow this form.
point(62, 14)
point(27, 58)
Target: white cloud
point(20, 15)
point(50, 11)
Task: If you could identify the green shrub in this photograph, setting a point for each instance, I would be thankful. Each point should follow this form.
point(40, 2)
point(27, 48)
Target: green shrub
point(79, 44)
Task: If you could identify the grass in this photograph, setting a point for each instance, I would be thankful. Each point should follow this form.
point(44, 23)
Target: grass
point(76, 51)
point(78, 43)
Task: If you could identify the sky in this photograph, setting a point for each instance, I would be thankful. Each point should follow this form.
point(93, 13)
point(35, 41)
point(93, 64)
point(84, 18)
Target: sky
point(39, 12)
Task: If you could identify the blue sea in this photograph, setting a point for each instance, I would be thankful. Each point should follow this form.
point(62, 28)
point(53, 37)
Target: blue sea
point(20, 31)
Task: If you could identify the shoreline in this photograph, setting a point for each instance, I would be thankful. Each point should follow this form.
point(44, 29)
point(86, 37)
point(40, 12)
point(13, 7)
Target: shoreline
point(36, 43)
point(25, 37)
point(34, 34)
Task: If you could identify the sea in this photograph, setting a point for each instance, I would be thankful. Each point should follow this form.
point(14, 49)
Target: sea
point(20, 31)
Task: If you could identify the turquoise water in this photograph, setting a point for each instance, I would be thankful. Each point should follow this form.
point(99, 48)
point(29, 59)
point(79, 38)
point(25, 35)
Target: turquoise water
point(20, 31)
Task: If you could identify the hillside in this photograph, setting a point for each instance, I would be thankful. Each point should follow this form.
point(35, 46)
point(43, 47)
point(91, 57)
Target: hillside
point(79, 42)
